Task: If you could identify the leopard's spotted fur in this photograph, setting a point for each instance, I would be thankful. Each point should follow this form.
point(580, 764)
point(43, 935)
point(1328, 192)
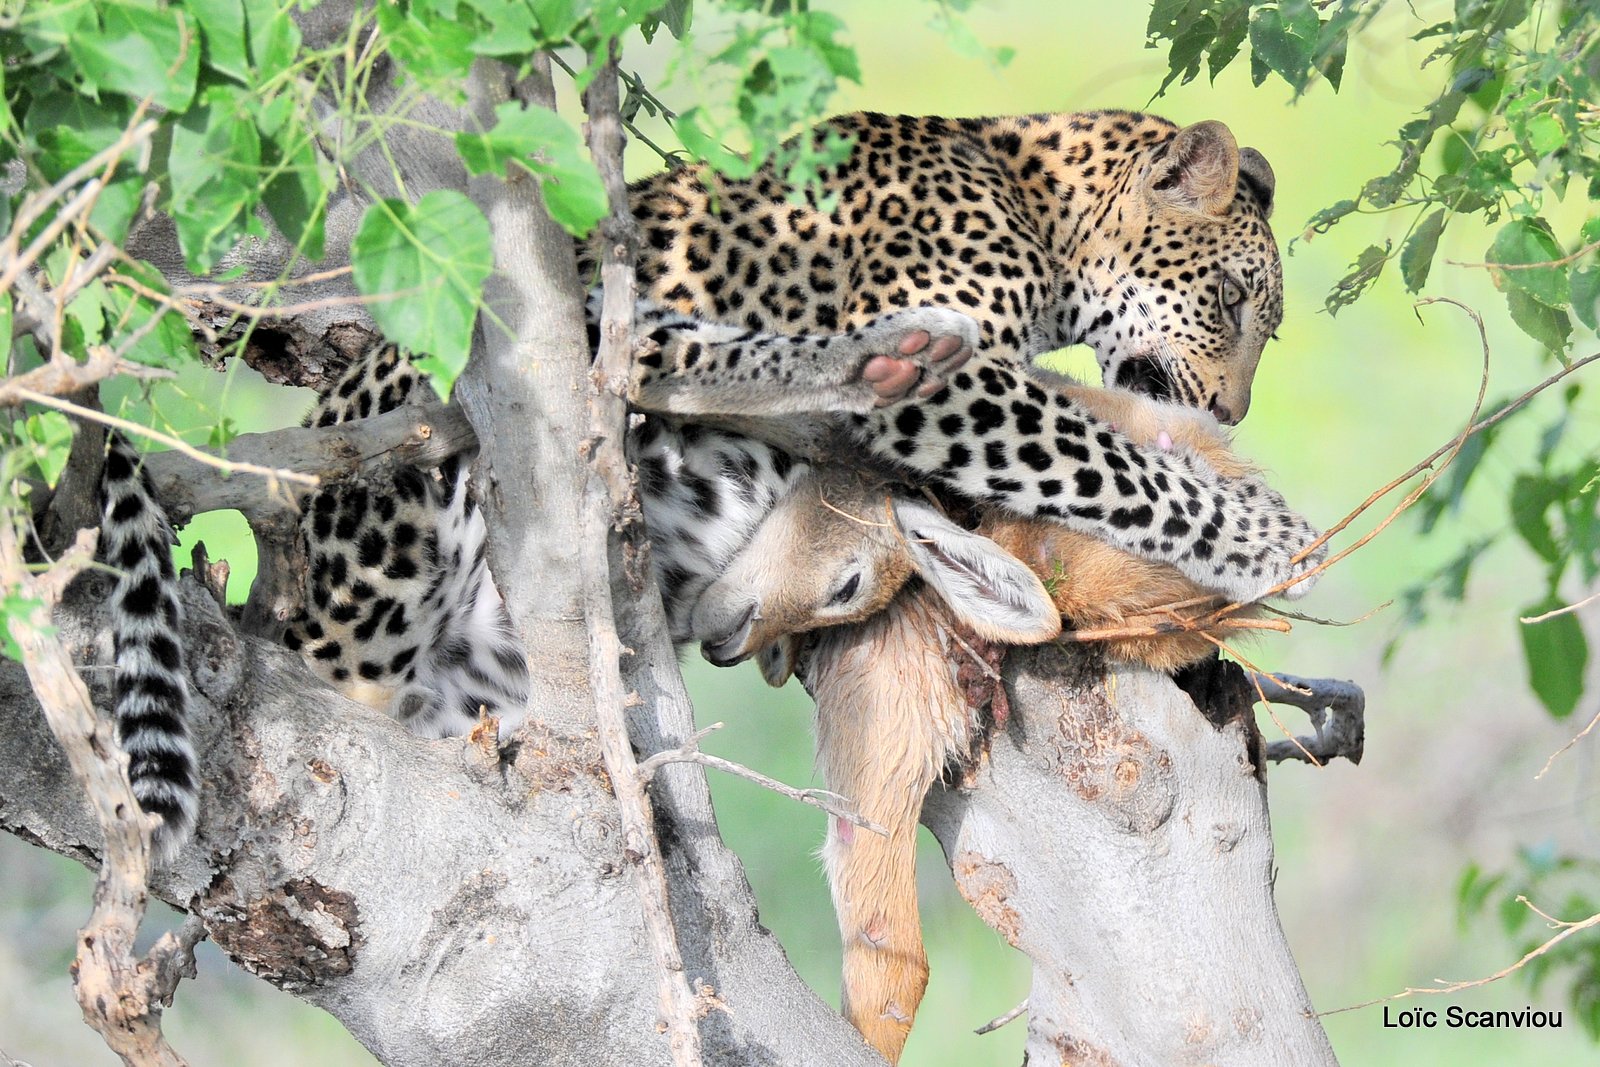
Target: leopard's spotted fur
point(1111, 229)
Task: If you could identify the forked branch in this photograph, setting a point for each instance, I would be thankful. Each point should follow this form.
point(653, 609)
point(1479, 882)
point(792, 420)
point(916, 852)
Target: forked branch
point(120, 993)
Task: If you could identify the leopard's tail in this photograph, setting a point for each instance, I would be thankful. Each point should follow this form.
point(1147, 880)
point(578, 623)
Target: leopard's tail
point(151, 704)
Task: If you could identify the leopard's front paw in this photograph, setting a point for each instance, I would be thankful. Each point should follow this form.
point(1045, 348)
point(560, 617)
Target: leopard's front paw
point(911, 353)
point(1291, 568)
point(1263, 551)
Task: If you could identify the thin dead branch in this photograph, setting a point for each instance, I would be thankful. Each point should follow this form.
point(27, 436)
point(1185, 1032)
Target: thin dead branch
point(1000, 1020)
point(607, 490)
point(1449, 450)
point(421, 435)
point(271, 474)
point(1579, 736)
point(1562, 262)
point(120, 994)
point(840, 807)
point(1567, 929)
point(1529, 620)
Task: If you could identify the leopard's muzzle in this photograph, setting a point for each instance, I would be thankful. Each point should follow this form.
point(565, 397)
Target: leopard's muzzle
point(1142, 374)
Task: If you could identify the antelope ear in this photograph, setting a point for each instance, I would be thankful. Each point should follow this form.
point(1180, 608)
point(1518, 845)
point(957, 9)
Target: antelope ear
point(1258, 177)
point(985, 586)
point(1200, 172)
point(777, 660)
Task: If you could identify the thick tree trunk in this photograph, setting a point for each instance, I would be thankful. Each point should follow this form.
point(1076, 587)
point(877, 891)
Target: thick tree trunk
point(1121, 840)
point(447, 903)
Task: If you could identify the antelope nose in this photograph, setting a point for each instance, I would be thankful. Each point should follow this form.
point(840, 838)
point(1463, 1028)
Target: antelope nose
point(726, 649)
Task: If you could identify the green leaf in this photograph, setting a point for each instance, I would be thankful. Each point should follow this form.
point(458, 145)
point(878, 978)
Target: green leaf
point(703, 144)
point(1585, 286)
point(1183, 59)
point(1556, 653)
point(274, 37)
point(1446, 493)
point(437, 51)
point(1231, 33)
point(1323, 220)
point(1416, 259)
point(1531, 497)
point(1544, 134)
point(48, 438)
point(430, 259)
point(548, 146)
point(677, 16)
point(558, 18)
point(1364, 272)
point(1514, 915)
point(13, 605)
point(69, 129)
point(167, 342)
point(139, 48)
point(1529, 241)
point(297, 194)
point(509, 30)
point(223, 24)
point(215, 166)
point(1472, 892)
point(1284, 39)
point(1547, 325)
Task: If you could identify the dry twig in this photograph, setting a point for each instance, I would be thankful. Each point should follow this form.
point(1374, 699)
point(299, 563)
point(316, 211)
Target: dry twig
point(120, 994)
point(1529, 620)
point(1567, 929)
point(607, 489)
point(834, 804)
point(1000, 1020)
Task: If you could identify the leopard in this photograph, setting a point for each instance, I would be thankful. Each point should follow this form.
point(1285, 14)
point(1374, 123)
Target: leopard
point(902, 309)
point(1118, 230)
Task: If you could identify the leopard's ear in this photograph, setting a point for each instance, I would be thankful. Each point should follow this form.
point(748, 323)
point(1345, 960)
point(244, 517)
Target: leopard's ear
point(1258, 178)
point(1199, 172)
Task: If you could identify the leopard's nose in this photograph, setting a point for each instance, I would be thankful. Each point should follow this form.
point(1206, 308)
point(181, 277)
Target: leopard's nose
point(1225, 414)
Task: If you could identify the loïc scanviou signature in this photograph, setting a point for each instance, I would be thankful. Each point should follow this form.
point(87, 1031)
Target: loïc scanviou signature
point(1456, 1017)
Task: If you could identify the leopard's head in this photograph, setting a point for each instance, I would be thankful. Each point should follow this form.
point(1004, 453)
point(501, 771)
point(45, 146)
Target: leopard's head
point(1182, 282)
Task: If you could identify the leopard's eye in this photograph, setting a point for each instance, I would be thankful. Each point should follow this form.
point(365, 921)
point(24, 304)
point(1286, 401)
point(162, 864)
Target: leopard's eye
point(1232, 294)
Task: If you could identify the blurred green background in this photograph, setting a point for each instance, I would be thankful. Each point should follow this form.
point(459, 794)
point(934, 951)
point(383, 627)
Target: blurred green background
point(1369, 856)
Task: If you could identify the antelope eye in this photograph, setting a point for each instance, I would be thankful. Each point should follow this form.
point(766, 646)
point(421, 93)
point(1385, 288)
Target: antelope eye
point(846, 591)
point(1232, 293)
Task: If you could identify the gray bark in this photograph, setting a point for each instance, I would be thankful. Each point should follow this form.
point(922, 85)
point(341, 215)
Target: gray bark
point(446, 902)
point(1121, 840)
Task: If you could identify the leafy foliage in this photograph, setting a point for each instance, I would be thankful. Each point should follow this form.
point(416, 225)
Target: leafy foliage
point(1513, 124)
point(218, 114)
point(433, 256)
point(1567, 885)
point(1511, 129)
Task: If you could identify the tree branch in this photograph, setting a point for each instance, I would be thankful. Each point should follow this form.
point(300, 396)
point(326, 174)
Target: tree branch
point(119, 992)
point(610, 504)
point(1157, 836)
